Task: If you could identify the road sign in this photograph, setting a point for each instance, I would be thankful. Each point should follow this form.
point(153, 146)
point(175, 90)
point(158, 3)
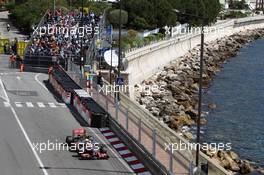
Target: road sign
point(120, 81)
point(109, 30)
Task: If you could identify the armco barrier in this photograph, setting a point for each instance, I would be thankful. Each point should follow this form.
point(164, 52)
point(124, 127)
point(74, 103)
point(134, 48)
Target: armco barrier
point(63, 84)
point(90, 111)
point(71, 93)
point(86, 115)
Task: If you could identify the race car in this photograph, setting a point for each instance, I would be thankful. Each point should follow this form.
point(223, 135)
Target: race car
point(78, 135)
point(85, 146)
point(93, 152)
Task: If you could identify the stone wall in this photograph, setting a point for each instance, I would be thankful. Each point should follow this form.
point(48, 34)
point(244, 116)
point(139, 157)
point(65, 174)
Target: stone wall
point(144, 62)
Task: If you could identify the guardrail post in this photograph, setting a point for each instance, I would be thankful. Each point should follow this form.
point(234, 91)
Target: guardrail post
point(127, 113)
point(171, 158)
point(117, 108)
point(191, 169)
point(105, 102)
point(139, 130)
point(154, 143)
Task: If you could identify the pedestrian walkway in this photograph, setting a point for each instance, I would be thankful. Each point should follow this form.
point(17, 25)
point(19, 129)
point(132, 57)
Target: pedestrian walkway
point(34, 105)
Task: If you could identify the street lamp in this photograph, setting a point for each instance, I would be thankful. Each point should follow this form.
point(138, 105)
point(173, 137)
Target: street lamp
point(81, 58)
point(119, 49)
point(200, 82)
point(54, 6)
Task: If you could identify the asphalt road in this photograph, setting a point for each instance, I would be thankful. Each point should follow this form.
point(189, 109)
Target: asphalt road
point(31, 114)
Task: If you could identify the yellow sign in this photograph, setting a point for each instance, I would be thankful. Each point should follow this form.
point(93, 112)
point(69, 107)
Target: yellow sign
point(85, 10)
point(2, 43)
point(21, 47)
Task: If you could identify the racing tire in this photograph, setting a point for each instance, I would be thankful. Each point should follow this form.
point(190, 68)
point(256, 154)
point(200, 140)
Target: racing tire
point(69, 140)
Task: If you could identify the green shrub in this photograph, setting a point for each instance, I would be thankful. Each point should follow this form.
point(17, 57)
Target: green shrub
point(140, 23)
point(114, 17)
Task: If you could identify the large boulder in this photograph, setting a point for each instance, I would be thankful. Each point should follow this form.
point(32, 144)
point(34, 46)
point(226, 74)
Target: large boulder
point(245, 167)
point(233, 155)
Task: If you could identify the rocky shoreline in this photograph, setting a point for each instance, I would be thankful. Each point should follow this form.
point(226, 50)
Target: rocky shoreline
point(175, 102)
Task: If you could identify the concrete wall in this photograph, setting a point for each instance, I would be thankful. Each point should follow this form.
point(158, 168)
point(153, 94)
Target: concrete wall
point(144, 62)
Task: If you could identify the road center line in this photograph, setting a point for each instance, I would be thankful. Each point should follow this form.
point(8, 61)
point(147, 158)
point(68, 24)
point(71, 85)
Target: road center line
point(24, 131)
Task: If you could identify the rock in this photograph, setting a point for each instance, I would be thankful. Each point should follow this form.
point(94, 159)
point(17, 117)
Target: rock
point(233, 155)
point(234, 166)
point(167, 118)
point(245, 167)
point(212, 105)
point(224, 163)
point(171, 109)
point(221, 154)
point(203, 121)
point(192, 113)
point(188, 135)
point(195, 86)
point(174, 125)
point(260, 170)
point(148, 101)
point(185, 120)
point(155, 111)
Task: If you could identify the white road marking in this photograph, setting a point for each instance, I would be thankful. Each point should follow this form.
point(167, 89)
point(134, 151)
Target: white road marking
point(18, 104)
point(29, 104)
point(63, 105)
point(41, 84)
point(109, 148)
point(25, 134)
point(7, 104)
point(5, 97)
point(41, 105)
point(52, 105)
point(18, 77)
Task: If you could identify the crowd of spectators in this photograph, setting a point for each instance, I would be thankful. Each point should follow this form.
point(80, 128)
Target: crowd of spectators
point(60, 35)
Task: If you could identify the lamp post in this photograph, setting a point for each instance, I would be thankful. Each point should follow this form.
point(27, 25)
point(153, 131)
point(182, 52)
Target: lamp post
point(200, 83)
point(119, 49)
point(54, 6)
point(81, 58)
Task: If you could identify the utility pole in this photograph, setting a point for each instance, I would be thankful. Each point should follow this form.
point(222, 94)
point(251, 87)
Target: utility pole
point(54, 6)
point(82, 55)
point(120, 50)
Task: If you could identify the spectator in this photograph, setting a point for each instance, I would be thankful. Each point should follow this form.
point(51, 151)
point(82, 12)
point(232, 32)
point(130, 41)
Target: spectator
point(12, 60)
point(100, 81)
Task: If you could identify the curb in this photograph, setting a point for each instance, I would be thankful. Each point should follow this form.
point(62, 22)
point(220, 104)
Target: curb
point(136, 165)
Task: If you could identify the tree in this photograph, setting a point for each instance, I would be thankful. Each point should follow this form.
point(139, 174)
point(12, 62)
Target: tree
point(114, 17)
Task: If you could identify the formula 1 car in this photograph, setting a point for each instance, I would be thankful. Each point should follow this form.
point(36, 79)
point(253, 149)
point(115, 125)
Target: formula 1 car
point(77, 134)
point(85, 146)
point(98, 154)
